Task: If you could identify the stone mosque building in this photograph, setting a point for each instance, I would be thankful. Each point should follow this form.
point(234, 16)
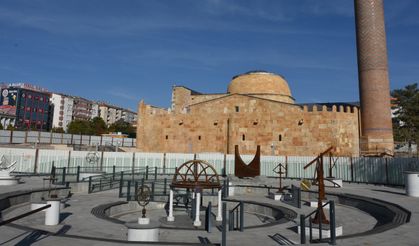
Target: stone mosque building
point(258, 109)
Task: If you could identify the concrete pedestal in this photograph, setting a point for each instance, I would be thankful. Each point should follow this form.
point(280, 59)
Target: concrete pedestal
point(313, 204)
point(230, 189)
point(325, 231)
point(412, 183)
point(86, 175)
point(143, 232)
point(275, 196)
point(52, 214)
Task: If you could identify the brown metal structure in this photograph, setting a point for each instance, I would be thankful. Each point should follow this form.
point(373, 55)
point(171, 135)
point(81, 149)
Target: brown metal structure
point(243, 170)
point(320, 216)
point(196, 174)
point(374, 88)
point(280, 169)
point(332, 164)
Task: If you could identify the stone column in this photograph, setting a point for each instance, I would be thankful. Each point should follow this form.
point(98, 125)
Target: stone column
point(197, 222)
point(219, 209)
point(374, 89)
point(170, 217)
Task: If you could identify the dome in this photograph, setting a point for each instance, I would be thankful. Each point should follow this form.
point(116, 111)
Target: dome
point(259, 82)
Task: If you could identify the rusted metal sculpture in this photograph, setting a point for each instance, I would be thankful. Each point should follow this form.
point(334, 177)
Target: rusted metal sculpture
point(320, 216)
point(196, 174)
point(241, 169)
point(280, 169)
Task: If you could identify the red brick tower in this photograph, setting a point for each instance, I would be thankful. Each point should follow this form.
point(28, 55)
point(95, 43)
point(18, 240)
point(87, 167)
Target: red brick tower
point(377, 131)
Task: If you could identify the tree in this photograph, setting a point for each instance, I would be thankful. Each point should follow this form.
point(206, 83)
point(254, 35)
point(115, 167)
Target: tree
point(124, 127)
point(80, 127)
point(10, 127)
point(406, 120)
point(98, 126)
point(1, 126)
point(57, 130)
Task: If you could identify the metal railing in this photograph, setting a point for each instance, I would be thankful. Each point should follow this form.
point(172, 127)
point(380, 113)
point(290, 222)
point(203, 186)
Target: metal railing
point(332, 225)
point(38, 137)
point(5, 222)
point(236, 217)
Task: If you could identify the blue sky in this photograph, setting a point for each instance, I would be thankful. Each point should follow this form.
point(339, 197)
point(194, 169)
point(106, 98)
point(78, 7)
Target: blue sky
point(124, 51)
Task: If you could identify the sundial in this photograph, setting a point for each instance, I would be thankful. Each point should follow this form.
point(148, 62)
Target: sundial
point(143, 197)
point(280, 169)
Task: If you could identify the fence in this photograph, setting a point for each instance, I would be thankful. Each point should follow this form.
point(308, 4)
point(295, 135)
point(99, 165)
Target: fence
point(37, 137)
point(352, 169)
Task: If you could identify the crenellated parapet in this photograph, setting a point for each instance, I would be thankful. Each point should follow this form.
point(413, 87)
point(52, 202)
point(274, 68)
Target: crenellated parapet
point(335, 108)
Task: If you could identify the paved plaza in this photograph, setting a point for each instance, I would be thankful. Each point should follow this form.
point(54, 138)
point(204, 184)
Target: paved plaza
point(79, 226)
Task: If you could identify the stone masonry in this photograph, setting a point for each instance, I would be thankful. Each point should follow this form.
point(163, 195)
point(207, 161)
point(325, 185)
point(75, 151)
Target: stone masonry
point(376, 126)
point(263, 113)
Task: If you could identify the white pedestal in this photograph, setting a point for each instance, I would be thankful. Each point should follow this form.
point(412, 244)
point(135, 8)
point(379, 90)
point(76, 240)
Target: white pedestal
point(275, 196)
point(325, 231)
point(143, 232)
point(230, 189)
point(334, 183)
point(412, 183)
point(143, 221)
point(170, 218)
point(86, 175)
point(52, 214)
point(313, 204)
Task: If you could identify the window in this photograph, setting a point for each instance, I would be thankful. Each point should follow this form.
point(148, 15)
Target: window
point(280, 137)
point(199, 137)
point(237, 109)
point(243, 137)
point(167, 137)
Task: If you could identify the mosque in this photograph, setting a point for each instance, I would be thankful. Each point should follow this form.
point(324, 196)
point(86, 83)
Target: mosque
point(258, 109)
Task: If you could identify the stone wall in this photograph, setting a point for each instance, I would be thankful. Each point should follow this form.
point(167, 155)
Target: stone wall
point(279, 128)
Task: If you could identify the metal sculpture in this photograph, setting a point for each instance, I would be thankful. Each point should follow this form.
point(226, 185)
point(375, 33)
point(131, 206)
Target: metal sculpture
point(196, 174)
point(320, 217)
point(92, 158)
point(143, 198)
point(280, 169)
point(242, 170)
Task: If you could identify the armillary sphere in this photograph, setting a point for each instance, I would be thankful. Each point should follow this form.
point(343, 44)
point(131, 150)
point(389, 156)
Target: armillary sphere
point(143, 197)
point(92, 157)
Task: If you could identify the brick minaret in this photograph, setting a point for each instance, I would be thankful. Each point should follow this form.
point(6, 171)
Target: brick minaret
point(377, 131)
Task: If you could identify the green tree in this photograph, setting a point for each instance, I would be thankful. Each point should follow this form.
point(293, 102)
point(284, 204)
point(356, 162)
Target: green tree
point(406, 120)
point(57, 130)
point(98, 126)
point(124, 127)
point(10, 127)
point(80, 127)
